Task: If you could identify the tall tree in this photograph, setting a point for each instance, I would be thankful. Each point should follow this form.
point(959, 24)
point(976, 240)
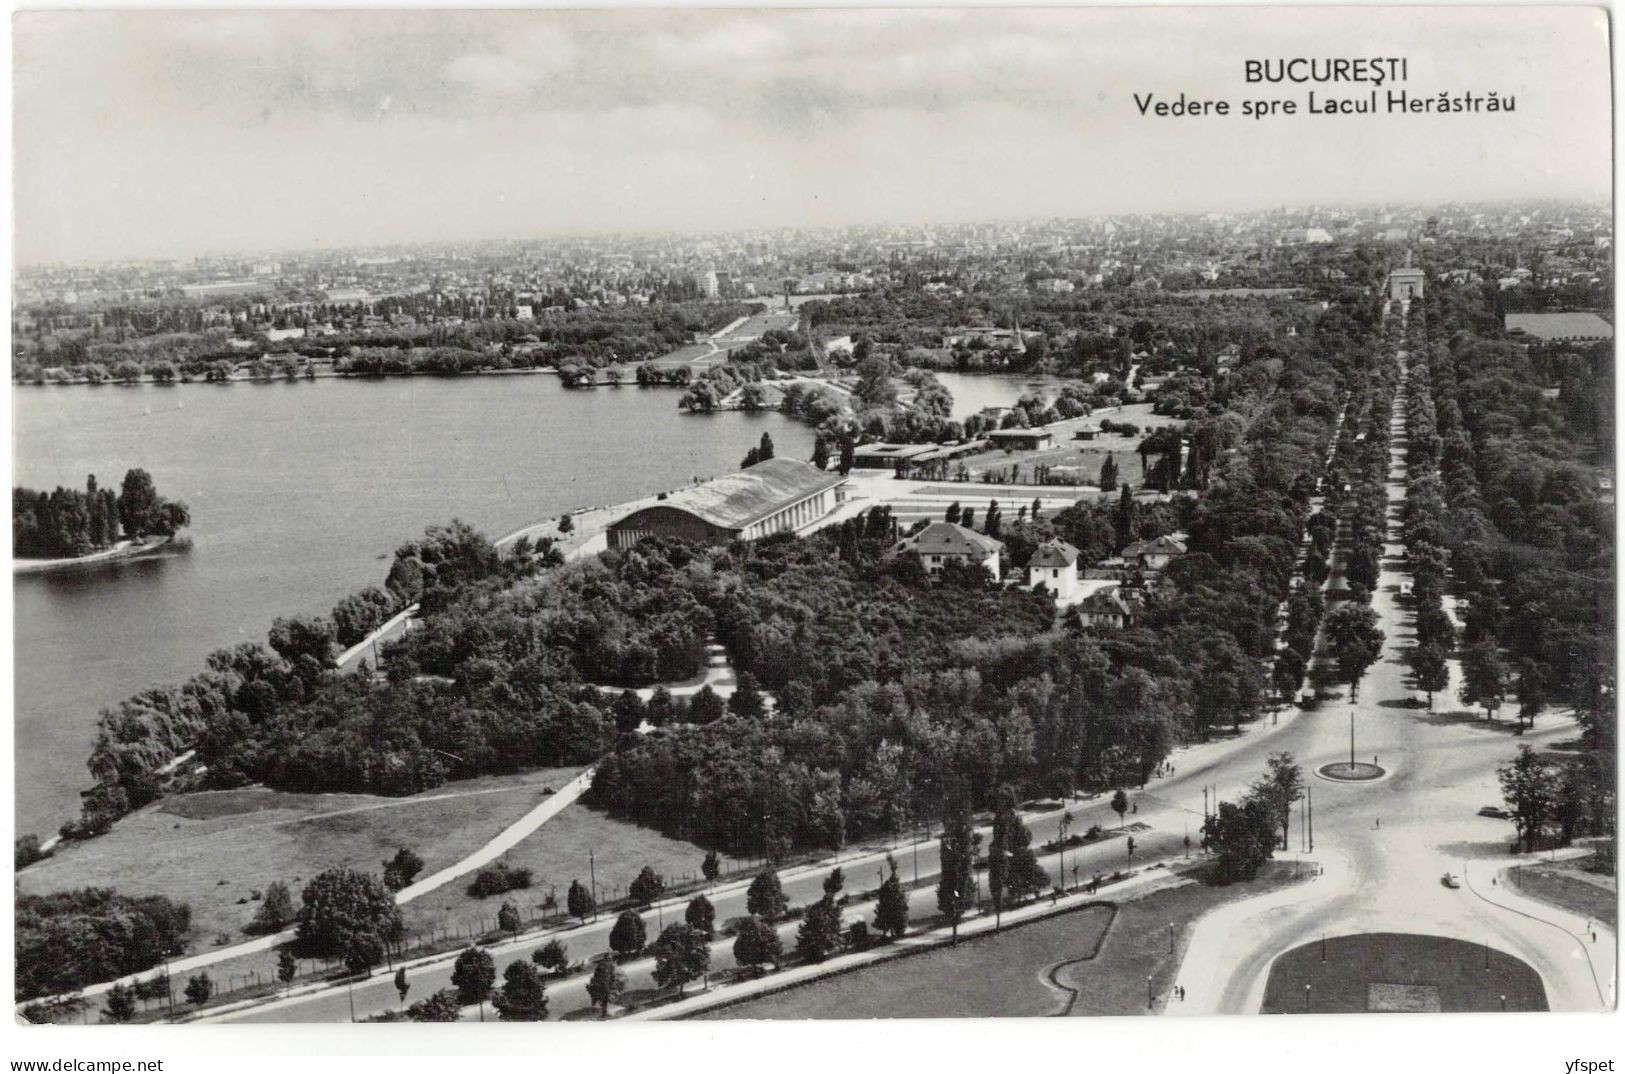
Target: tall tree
point(606, 985)
point(1356, 641)
point(646, 887)
point(523, 995)
point(552, 956)
point(137, 503)
point(579, 901)
point(287, 965)
point(891, 907)
point(629, 934)
point(820, 931)
point(276, 910)
point(765, 897)
point(1108, 475)
point(1483, 677)
point(682, 954)
point(1280, 788)
point(756, 942)
point(345, 911)
point(1431, 671)
point(957, 853)
point(473, 975)
point(701, 916)
point(1531, 688)
point(1530, 788)
point(998, 850)
point(120, 1006)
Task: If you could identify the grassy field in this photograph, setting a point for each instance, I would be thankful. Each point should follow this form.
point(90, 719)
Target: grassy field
point(1093, 961)
point(1080, 459)
point(558, 853)
point(214, 849)
point(1386, 971)
point(1570, 888)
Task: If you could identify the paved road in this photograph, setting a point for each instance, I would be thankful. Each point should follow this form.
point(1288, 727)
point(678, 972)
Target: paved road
point(1387, 844)
point(1171, 806)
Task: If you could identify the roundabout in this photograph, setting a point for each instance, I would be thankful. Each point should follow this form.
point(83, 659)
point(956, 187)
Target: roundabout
point(1351, 772)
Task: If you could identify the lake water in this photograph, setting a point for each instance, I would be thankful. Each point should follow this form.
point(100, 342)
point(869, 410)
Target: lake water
point(299, 492)
point(974, 392)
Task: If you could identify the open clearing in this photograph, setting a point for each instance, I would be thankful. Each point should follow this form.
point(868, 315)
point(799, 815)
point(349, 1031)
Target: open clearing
point(213, 848)
point(1079, 461)
point(557, 853)
point(1009, 974)
point(1571, 888)
point(1400, 973)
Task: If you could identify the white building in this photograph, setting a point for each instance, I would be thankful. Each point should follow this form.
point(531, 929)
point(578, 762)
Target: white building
point(1054, 565)
point(1105, 608)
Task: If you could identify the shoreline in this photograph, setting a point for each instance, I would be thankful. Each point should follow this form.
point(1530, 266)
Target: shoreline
point(119, 552)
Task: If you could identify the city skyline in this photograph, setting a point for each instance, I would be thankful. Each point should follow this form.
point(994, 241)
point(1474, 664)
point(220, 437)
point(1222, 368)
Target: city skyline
point(282, 131)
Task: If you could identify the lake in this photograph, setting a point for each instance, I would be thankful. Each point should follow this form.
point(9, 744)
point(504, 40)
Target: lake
point(974, 392)
point(299, 493)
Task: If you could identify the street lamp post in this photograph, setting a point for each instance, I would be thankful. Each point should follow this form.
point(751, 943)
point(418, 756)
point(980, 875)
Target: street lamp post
point(1308, 990)
point(1170, 937)
point(1150, 996)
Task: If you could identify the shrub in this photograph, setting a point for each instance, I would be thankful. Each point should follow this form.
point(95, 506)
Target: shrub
point(497, 879)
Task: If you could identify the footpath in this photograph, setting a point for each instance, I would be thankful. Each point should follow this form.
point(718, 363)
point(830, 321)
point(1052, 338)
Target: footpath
point(504, 841)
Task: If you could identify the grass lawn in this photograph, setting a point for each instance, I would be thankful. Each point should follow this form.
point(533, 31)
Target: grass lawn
point(557, 853)
point(1567, 886)
point(1093, 961)
point(1388, 971)
point(1082, 459)
point(212, 849)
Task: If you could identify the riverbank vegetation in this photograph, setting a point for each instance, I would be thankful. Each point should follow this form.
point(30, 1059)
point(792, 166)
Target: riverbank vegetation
point(396, 336)
point(69, 523)
point(71, 939)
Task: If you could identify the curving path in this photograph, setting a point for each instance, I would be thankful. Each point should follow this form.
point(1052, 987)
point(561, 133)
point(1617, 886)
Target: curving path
point(504, 841)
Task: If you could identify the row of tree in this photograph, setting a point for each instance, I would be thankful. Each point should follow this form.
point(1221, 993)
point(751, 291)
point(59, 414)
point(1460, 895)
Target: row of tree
point(68, 522)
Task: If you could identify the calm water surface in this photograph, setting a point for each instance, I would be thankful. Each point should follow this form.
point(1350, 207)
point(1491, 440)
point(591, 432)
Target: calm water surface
point(299, 492)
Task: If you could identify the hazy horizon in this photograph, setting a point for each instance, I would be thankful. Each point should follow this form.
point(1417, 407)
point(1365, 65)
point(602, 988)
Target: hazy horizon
point(146, 135)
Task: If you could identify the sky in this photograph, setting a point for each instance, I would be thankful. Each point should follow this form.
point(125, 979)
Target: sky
point(172, 134)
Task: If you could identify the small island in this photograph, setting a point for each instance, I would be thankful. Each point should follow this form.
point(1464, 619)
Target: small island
point(73, 527)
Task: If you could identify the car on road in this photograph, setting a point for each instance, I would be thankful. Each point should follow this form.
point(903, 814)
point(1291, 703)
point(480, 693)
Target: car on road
point(1450, 880)
point(1495, 811)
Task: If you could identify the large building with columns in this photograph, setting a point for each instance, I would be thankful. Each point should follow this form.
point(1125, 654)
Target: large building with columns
point(776, 496)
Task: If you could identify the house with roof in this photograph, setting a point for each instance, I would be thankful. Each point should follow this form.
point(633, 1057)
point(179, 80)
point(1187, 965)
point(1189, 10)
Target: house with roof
point(942, 543)
point(776, 496)
point(1105, 608)
point(1153, 555)
point(1054, 565)
point(1022, 439)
